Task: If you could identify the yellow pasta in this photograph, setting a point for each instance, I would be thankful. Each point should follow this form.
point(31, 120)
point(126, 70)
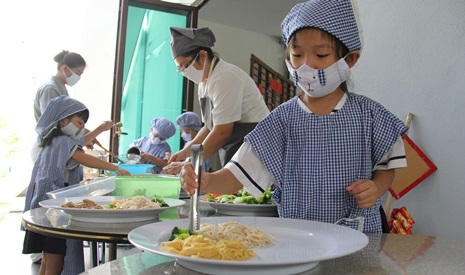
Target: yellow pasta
point(226, 241)
point(200, 247)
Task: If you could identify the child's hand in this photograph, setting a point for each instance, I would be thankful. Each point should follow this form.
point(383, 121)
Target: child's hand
point(365, 193)
point(188, 179)
point(106, 125)
point(122, 172)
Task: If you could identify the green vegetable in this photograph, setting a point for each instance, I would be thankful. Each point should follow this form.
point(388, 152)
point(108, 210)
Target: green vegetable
point(110, 206)
point(244, 197)
point(210, 198)
point(246, 200)
point(139, 192)
point(160, 201)
point(226, 198)
point(179, 233)
point(266, 197)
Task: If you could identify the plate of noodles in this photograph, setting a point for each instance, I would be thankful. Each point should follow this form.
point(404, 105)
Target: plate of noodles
point(111, 209)
point(280, 246)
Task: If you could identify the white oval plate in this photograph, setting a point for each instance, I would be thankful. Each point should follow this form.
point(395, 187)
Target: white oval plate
point(261, 210)
point(108, 215)
point(299, 245)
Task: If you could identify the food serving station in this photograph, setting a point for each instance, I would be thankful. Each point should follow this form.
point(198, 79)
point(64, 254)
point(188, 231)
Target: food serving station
point(300, 247)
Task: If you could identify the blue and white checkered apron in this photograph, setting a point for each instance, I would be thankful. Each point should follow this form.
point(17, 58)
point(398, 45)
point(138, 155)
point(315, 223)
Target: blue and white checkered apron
point(314, 158)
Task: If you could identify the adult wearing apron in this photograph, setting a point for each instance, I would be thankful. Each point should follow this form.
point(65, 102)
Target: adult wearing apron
point(231, 104)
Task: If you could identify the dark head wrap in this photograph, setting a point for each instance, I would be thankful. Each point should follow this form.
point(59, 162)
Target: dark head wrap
point(184, 40)
point(57, 109)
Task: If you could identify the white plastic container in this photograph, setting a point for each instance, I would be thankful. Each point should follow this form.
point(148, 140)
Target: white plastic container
point(97, 187)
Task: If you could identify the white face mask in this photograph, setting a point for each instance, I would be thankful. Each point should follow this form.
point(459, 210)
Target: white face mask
point(193, 74)
point(318, 83)
point(187, 137)
point(72, 131)
point(73, 79)
point(154, 140)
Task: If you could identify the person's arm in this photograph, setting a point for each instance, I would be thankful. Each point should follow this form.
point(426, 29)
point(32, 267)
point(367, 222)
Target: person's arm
point(94, 162)
point(173, 168)
point(183, 154)
point(219, 182)
point(92, 135)
point(367, 192)
point(155, 160)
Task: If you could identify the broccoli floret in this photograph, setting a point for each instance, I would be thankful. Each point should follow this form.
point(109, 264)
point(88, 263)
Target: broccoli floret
point(226, 199)
point(160, 201)
point(266, 197)
point(243, 193)
point(210, 198)
point(179, 233)
point(245, 200)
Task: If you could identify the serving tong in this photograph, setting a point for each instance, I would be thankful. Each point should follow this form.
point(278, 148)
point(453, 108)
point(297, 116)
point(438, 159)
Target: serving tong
point(194, 210)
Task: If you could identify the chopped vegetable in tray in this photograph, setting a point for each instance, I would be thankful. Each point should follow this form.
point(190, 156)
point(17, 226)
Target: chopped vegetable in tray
point(242, 197)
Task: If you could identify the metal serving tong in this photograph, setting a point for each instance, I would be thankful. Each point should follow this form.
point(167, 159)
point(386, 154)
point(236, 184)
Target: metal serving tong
point(194, 212)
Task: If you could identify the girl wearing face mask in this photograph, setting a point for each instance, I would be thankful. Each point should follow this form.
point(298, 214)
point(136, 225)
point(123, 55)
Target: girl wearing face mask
point(331, 153)
point(189, 123)
point(70, 67)
point(230, 101)
point(60, 130)
point(154, 146)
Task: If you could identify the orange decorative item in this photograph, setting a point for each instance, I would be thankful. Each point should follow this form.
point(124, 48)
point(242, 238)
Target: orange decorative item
point(400, 221)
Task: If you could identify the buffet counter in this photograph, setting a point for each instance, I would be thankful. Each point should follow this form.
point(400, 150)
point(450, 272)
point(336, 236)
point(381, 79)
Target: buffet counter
point(56, 223)
point(384, 254)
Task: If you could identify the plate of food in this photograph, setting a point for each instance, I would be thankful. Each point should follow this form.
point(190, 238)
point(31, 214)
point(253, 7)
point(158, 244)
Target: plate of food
point(112, 209)
point(260, 245)
point(242, 203)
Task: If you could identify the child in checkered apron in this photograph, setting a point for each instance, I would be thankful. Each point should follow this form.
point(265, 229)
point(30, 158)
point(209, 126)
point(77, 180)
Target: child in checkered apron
point(330, 153)
point(61, 134)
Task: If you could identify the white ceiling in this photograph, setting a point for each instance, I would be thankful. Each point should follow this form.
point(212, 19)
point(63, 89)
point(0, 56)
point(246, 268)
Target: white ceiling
point(263, 16)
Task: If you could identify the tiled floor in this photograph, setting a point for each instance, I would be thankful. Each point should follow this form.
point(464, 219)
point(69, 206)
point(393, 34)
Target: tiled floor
point(11, 240)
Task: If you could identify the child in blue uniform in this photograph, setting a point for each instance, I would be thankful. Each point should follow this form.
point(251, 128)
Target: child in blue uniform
point(61, 135)
point(154, 146)
point(189, 123)
point(330, 152)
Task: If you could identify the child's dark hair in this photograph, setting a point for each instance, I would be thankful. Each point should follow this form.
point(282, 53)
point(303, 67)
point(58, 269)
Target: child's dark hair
point(56, 131)
point(70, 59)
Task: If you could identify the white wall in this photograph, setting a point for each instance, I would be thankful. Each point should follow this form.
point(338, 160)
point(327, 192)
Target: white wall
point(236, 45)
point(413, 61)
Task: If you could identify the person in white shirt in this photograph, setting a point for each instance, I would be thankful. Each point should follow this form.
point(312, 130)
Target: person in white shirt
point(230, 101)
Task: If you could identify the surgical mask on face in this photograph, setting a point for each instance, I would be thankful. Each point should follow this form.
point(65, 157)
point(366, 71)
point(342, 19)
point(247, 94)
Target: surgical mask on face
point(154, 140)
point(187, 137)
point(72, 131)
point(73, 79)
point(318, 83)
point(193, 74)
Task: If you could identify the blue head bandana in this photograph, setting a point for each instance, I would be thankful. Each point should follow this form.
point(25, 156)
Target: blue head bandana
point(57, 109)
point(337, 17)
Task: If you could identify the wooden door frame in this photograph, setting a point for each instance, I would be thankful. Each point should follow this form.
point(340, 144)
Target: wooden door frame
point(191, 13)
